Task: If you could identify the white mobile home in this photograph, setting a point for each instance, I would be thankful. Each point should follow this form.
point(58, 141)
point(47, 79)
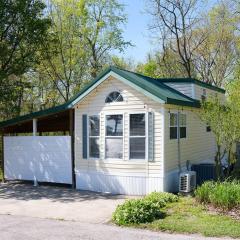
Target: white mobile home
point(128, 134)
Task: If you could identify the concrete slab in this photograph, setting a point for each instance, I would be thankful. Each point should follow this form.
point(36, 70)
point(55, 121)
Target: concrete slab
point(57, 203)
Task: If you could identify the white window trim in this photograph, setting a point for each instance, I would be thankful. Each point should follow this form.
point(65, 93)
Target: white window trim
point(105, 136)
point(178, 131)
point(88, 136)
point(146, 138)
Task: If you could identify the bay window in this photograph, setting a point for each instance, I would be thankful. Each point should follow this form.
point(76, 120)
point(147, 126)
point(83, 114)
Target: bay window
point(137, 136)
point(94, 133)
point(114, 136)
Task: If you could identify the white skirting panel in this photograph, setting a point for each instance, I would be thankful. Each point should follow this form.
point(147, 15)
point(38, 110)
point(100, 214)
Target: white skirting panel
point(44, 158)
point(117, 184)
point(154, 184)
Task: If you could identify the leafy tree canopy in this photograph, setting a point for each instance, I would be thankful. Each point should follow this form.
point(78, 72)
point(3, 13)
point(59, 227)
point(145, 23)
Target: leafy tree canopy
point(23, 27)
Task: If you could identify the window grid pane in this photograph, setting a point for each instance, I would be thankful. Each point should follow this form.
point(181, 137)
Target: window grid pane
point(173, 132)
point(137, 148)
point(114, 125)
point(114, 136)
point(114, 147)
point(94, 126)
point(183, 120)
point(173, 125)
point(137, 124)
point(94, 147)
point(173, 119)
point(183, 132)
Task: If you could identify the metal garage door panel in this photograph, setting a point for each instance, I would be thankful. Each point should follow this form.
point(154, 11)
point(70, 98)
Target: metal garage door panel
point(46, 158)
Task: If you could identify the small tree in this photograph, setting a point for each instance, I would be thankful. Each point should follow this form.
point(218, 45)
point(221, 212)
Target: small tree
point(225, 124)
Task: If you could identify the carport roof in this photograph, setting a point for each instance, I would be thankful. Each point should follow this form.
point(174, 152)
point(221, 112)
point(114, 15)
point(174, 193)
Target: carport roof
point(155, 87)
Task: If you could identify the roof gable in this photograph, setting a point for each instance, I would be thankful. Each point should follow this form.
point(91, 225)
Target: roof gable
point(149, 86)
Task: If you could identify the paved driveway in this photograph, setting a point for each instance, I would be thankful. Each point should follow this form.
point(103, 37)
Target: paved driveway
point(56, 213)
point(57, 203)
point(28, 228)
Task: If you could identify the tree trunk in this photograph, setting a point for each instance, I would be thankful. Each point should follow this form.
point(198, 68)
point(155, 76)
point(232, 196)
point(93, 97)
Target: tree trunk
point(218, 162)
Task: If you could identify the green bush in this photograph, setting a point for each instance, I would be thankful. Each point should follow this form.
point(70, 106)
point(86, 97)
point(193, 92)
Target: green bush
point(224, 195)
point(161, 198)
point(235, 174)
point(202, 193)
point(136, 211)
point(142, 210)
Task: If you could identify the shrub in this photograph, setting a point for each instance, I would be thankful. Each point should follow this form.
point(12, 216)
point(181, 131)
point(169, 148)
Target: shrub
point(202, 193)
point(235, 173)
point(161, 198)
point(136, 211)
point(142, 210)
point(224, 195)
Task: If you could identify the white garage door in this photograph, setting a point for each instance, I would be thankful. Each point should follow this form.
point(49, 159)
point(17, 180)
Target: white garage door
point(47, 159)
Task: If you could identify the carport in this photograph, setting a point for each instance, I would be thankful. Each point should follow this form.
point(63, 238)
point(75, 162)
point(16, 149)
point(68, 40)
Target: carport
point(40, 146)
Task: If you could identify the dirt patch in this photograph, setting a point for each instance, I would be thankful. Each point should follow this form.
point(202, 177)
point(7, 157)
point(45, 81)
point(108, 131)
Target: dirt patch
point(234, 213)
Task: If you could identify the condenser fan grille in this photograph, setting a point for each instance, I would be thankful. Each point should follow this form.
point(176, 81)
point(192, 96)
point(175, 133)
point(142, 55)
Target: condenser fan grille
point(183, 183)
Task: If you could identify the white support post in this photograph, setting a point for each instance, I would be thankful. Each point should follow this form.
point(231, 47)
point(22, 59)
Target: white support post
point(34, 127)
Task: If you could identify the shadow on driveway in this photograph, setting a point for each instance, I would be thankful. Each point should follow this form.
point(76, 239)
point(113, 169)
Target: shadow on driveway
point(26, 191)
point(53, 202)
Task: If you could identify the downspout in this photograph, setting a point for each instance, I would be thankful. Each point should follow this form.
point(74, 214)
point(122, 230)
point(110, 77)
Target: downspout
point(2, 137)
point(34, 134)
point(179, 143)
point(34, 126)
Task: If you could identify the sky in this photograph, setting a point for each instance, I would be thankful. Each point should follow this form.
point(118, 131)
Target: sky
point(136, 29)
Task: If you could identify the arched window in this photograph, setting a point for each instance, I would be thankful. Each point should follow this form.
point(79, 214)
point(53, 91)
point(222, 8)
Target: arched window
point(114, 97)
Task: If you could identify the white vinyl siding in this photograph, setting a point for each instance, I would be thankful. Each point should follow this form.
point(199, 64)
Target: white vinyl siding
point(134, 102)
point(130, 176)
point(185, 88)
point(194, 90)
point(198, 146)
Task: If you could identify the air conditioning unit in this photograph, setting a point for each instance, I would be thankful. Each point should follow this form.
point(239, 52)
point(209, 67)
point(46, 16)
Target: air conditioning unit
point(187, 181)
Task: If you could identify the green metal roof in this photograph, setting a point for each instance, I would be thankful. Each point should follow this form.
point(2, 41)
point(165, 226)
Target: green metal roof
point(37, 114)
point(191, 80)
point(155, 87)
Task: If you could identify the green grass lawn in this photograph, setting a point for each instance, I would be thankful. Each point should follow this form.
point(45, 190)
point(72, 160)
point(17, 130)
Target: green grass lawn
point(187, 216)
